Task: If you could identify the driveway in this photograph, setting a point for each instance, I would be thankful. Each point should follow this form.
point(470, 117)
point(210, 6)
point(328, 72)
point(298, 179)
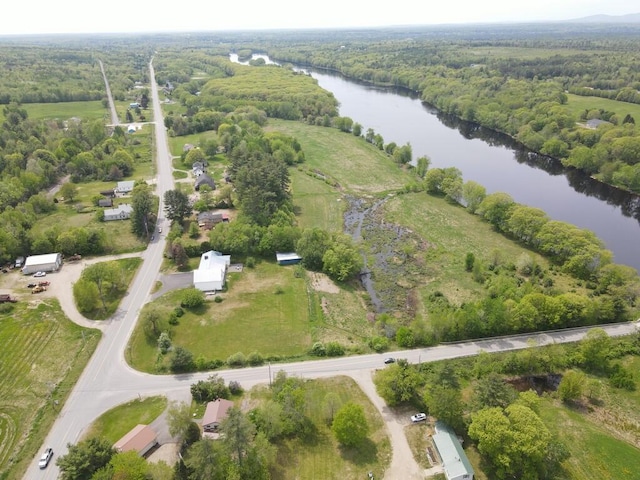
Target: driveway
point(173, 281)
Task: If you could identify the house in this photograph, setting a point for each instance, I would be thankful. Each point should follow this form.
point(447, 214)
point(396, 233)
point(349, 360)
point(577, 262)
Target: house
point(121, 212)
point(596, 122)
point(214, 414)
point(454, 461)
point(124, 188)
point(204, 179)
point(105, 202)
point(49, 262)
point(209, 219)
point(187, 146)
point(290, 258)
point(212, 271)
point(141, 439)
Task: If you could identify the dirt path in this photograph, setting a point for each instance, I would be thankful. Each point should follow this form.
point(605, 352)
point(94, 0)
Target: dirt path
point(403, 465)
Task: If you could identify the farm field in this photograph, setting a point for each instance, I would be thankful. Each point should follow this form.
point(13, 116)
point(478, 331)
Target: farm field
point(577, 104)
point(43, 355)
point(92, 110)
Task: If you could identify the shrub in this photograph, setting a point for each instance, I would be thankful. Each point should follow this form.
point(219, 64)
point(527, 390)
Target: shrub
point(278, 290)
point(237, 360)
point(164, 342)
point(334, 349)
point(318, 350)
point(250, 262)
point(173, 319)
point(178, 311)
point(218, 299)
point(192, 298)
point(379, 344)
point(235, 388)
point(255, 359)
point(182, 360)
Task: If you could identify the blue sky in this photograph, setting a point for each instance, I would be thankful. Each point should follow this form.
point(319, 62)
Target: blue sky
point(82, 16)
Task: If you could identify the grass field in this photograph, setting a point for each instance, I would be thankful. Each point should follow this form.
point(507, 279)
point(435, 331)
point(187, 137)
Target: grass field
point(93, 110)
point(321, 456)
point(316, 203)
point(358, 166)
point(262, 307)
point(41, 358)
point(577, 104)
point(115, 423)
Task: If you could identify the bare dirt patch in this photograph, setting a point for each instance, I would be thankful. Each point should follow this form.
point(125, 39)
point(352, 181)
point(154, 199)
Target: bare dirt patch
point(321, 283)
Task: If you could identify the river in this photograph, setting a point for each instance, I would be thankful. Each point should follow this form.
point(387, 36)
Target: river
point(494, 161)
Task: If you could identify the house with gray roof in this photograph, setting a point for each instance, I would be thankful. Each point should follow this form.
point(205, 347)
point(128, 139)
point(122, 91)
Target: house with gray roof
point(454, 461)
point(121, 212)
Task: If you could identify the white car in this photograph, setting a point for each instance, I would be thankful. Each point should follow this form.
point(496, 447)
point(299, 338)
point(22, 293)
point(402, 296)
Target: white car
point(418, 417)
point(45, 458)
point(40, 274)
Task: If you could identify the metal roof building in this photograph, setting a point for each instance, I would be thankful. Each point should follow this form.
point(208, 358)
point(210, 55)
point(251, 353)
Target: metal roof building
point(454, 460)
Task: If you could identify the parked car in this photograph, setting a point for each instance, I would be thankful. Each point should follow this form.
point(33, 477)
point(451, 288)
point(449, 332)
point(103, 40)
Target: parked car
point(39, 289)
point(31, 285)
point(389, 360)
point(45, 458)
point(418, 417)
point(44, 284)
point(40, 274)
point(159, 229)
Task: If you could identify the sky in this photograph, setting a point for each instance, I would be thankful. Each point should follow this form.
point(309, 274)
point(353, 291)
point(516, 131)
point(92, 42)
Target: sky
point(82, 16)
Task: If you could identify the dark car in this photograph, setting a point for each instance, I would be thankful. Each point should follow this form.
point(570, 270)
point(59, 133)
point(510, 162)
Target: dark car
point(389, 360)
point(45, 458)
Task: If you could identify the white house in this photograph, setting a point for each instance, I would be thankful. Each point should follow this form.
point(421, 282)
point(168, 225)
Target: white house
point(454, 461)
point(141, 439)
point(211, 273)
point(121, 212)
point(124, 188)
point(49, 262)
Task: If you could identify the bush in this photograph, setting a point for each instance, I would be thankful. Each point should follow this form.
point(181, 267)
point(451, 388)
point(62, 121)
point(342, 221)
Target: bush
point(334, 349)
point(379, 344)
point(178, 311)
point(192, 298)
point(182, 360)
point(278, 290)
point(164, 342)
point(255, 359)
point(218, 299)
point(237, 360)
point(620, 377)
point(250, 262)
point(235, 388)
point(173, 319)
point(318, 350)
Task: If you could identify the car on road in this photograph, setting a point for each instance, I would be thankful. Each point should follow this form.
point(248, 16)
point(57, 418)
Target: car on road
point(418, 417)
point(40, 274)
point(159, 229)
point(389, 360)
point(45, 458)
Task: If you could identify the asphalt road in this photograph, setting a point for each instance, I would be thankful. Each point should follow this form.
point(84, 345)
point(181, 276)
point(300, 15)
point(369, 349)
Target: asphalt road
point(108, 381)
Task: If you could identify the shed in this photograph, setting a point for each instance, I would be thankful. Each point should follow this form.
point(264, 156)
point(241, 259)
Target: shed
point(49, 262)
point(204, 179)
point(209, 219)
point(121, 212)
point(105, 202)
point(141, 439)
point(214, 414)
point(454, 461)
point(212, 271)
point(289, 258)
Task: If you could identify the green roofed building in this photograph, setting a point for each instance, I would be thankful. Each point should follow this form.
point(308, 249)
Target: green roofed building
point(454, 461)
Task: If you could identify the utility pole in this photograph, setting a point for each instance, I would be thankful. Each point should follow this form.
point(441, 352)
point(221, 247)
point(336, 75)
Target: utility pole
point(269, 374)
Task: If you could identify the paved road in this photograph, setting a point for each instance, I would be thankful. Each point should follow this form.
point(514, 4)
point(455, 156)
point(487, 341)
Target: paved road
point(108, 381)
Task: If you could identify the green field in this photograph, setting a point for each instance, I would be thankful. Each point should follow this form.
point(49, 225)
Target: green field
point(358, 166)
point(577, 104)
point(93, 110)
point(316, 203)
point(262, 307)
point(41, 358)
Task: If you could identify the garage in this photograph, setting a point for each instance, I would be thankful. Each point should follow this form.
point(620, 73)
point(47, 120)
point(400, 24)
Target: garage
point(50, 262)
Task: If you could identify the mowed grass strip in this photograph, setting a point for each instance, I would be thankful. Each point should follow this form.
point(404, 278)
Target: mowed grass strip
point(41, 358)
point(358, 166)
point(118, 421)
point(316, 203)
point(264, 309)
point(321, 456)
point(577, 104)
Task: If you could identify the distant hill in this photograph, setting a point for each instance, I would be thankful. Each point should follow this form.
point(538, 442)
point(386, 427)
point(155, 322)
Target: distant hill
point(629, 18)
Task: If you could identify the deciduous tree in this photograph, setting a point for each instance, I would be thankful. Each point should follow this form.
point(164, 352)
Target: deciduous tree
point(350, 425)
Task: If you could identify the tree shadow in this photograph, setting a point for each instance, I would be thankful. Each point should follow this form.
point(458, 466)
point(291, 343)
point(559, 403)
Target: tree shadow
point(364, 453)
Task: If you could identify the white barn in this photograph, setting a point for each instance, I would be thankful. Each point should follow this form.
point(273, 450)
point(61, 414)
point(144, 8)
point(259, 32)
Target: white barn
point(212, 271)
point(49, 262)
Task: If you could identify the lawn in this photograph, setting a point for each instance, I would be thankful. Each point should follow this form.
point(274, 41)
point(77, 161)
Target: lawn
point(261, 307)
point(93, 110)
point(176, 144)
point(115, 423)
point(356, 165)
point(321, 456)
point(41, 358)
point(595, 454)
point(578, 104)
